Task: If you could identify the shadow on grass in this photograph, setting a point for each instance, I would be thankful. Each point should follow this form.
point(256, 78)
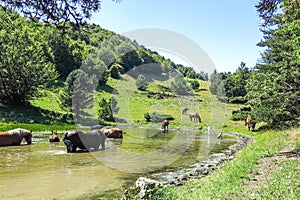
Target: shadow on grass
point(19, 113)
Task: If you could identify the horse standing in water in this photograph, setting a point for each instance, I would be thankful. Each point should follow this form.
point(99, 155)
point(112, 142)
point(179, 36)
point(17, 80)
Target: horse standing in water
point(195, 116)
point(15, 137)
point(249, 123)
point(165, 125)
point(54, 137)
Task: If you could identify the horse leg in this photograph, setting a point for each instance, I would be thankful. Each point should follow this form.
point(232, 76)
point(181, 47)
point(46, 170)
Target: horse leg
point(73, 147)
point(68, 145)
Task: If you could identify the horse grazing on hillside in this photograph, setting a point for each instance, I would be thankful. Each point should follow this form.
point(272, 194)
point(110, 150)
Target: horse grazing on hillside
point(54, 137)
point(195, 116)
point(15, 137)
point(249, 122)
point(165, 125)
point(184, 111)
point(90, 140)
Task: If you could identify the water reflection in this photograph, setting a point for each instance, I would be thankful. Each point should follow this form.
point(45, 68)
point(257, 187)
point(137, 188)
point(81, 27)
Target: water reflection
point(48, 172)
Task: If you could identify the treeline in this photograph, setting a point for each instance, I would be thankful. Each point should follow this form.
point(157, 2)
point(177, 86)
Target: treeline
point(34, 57)
point(272, 87)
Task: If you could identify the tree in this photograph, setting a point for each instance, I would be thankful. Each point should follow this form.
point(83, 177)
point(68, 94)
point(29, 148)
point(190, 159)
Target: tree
point(57, 12)
point(274, 87)
point(78, 93)
point(105, 111)
point(180, 86)
point(24, 66)
point(141, 82)
point(235, 84)
point(194, 84)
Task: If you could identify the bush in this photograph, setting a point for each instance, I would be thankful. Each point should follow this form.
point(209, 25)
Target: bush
point(194, 84)
point(157, 117)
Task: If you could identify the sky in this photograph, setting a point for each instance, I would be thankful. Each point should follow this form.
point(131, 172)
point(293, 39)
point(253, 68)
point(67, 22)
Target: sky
point(226, 31)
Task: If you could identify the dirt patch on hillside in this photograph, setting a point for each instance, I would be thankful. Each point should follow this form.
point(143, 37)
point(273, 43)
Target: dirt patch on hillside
point(267, 166)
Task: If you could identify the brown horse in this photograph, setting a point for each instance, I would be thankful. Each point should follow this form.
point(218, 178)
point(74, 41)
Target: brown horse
point(112, 132)
point(54, 137)
point(195, 116)
point(15, 137)
point(165, 125)
point(249, 122)
point(184, 111)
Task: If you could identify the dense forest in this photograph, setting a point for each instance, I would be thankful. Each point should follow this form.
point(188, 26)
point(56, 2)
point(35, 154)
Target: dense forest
point(272, 87)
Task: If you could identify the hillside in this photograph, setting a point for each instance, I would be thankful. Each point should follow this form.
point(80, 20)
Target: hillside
point(92, 67)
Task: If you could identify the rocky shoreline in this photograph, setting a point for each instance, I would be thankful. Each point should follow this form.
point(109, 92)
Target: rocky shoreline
point(145, 186)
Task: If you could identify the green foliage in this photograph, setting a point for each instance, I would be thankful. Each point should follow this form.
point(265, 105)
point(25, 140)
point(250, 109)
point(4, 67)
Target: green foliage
point(194, 84)
point(240, 115)
point(24, 67)
point(141, 82)
point(215, 82)
point(180, 86)
point(107, 109)
point(274, 89)
point(147, 117)
point(157, 117)
point(114, 72)
point(231, 87)
point(57, 12)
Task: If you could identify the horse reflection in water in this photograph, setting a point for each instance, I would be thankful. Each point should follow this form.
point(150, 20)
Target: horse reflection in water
point(14, 137)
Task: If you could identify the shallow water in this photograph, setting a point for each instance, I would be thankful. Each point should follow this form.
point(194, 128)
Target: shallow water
point(45, 171)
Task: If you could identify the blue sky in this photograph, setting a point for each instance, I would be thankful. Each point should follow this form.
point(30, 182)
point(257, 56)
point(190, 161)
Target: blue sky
point(227, 31)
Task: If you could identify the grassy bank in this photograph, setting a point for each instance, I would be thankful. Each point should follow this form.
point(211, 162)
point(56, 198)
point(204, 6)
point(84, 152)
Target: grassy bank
point(232, 180)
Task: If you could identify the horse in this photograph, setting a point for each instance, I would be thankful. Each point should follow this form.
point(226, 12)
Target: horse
point(249, 122)
point(184, 111)
point(109, 132)
point(85, 140)
point(15, 136)
point(165, 124)
point(54, 137)
point(112, 132)
point(195, 116)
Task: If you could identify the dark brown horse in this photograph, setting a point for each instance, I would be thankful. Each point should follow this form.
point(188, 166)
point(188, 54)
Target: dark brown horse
point(15, 137)
point(249, 122)
point(184, 111)
point(90, 141)
point(165, 125)
point(195, 116)
point(54, 137)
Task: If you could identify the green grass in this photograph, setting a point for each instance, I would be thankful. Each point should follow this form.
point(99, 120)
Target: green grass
point(228, 182)
point(36, 127)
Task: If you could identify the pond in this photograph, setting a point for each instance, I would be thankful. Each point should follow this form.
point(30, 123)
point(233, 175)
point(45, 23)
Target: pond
point(45, 171)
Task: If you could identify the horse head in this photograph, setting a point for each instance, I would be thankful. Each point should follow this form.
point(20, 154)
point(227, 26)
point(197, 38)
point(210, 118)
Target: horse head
point(27, 135)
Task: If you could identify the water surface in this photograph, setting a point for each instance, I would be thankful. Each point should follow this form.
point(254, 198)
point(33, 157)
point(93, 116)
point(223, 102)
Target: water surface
point(45, 171)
